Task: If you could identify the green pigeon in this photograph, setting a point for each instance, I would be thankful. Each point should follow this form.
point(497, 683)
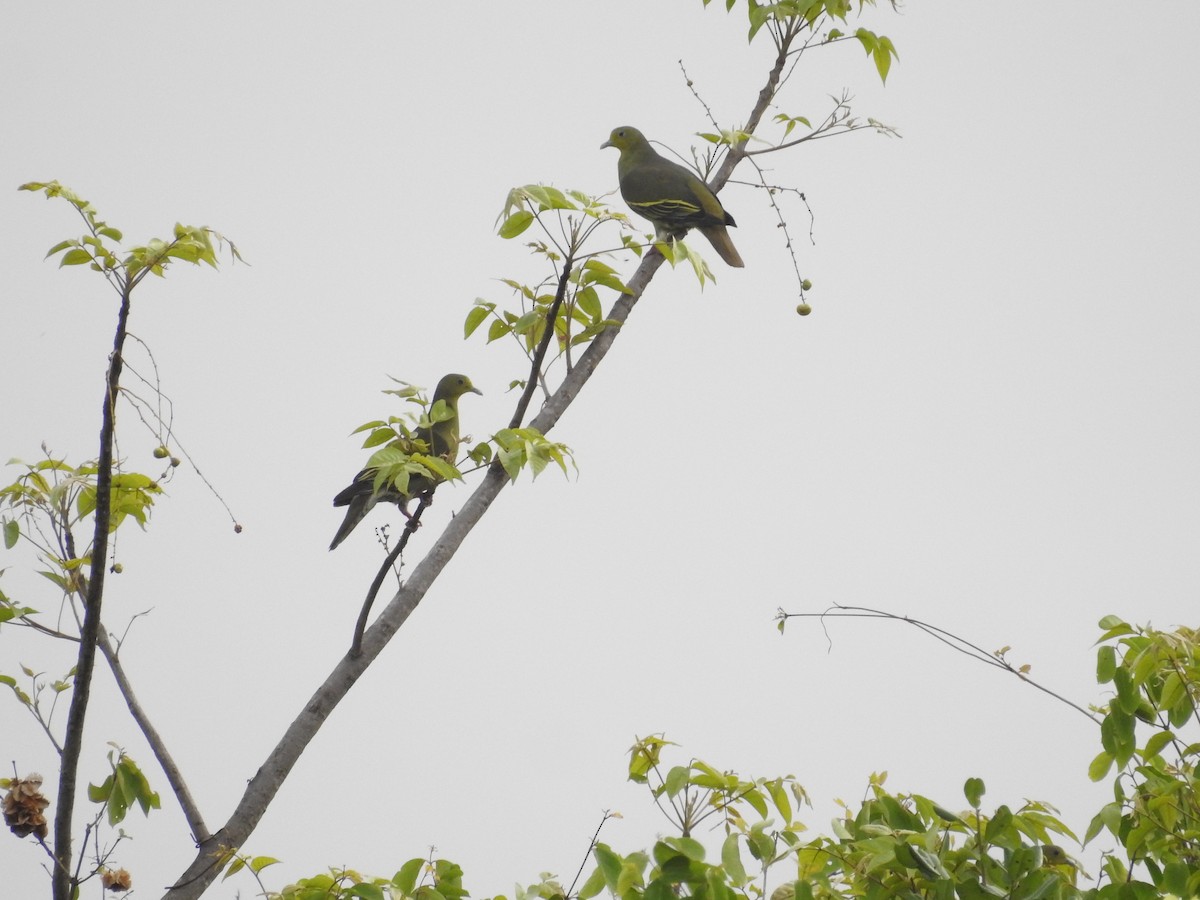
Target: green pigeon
point(671, 196)
point(441, 438)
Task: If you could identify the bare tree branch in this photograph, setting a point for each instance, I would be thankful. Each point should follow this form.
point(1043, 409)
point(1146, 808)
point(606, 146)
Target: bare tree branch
point(962, 645)
point(63, 888)
point(158, 747)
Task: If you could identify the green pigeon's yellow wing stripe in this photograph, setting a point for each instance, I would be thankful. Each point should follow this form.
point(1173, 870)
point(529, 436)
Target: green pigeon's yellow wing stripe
point(669, 208)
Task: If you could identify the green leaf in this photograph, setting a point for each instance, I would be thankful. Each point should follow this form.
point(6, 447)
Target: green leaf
point(1127, 692)
point(717, 888)
point(12, 531)
point(928, 863)
point(867, 39)
point(998, 824)
point(234, 867)
point(629, 878)
point(528, 321)
point(882, 54)
point(1175, 879)
point(137, 785)
point(609, 863)
point(589, 302)
point(759, 15)
point(367, 892)
point(406, 878)
point(1156, 743)
point(676, 780)
point(101, 792)
point(1113, 627)
point(974, 790)
point(945, 814)
point(593, 886)
point(377, 437)
point(780, 798)
point(548, 197)
point(438, 466)
point(1106, 664)
point(59, 247)
point(1117, 735)
point(731, 860)
point(1099, 766)
point(516, 224)
point(662, 888)
point(755, 799)
point(761, 846)
point(498, 329)
point(689, 847)
point(1173, 689)
point(474, 319)
point(76, 257)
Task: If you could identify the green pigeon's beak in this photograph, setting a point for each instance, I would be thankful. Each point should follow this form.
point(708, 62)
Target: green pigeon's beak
point(606, 144)
point(475, 390)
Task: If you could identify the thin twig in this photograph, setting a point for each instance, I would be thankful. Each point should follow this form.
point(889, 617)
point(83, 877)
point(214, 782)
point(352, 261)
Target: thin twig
point(691, 86)
point(607, 815)
point(772, 190)
point(410, 528)
point(535, 370)
point(962, 645)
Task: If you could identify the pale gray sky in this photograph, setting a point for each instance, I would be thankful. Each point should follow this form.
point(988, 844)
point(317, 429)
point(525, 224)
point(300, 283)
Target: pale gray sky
point(988, 422)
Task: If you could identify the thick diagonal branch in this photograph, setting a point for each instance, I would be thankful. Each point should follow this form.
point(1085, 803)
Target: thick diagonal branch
point(267, 781)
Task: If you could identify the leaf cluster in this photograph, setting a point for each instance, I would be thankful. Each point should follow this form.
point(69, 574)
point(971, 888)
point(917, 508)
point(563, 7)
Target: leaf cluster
point(54, 493)
point(906, 846)
point(417, 879)
point(892, 846)
point(188, 244)
point(1149, 735)
point(518, 448)
point(786, 15)
point(566, 219)
point(578, 320)
point(124, 786)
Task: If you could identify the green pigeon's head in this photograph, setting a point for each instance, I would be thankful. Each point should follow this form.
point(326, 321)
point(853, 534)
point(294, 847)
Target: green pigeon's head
point(624, 138)
point(453, 386)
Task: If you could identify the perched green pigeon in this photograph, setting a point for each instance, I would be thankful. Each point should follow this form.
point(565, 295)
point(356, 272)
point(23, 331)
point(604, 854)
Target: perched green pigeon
point(442, 439)
point(671, 196)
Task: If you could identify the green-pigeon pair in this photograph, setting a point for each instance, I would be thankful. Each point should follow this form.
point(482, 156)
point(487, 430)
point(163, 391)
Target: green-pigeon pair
point(442, 439)
point(672, 197)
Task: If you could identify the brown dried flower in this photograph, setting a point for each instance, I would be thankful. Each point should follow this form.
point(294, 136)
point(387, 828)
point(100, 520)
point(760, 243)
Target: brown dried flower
point(116, 881)
point(23, 806)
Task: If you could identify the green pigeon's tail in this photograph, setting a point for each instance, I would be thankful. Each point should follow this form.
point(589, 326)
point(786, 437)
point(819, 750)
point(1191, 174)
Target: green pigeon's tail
point(718, 236)
point(358, 505)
